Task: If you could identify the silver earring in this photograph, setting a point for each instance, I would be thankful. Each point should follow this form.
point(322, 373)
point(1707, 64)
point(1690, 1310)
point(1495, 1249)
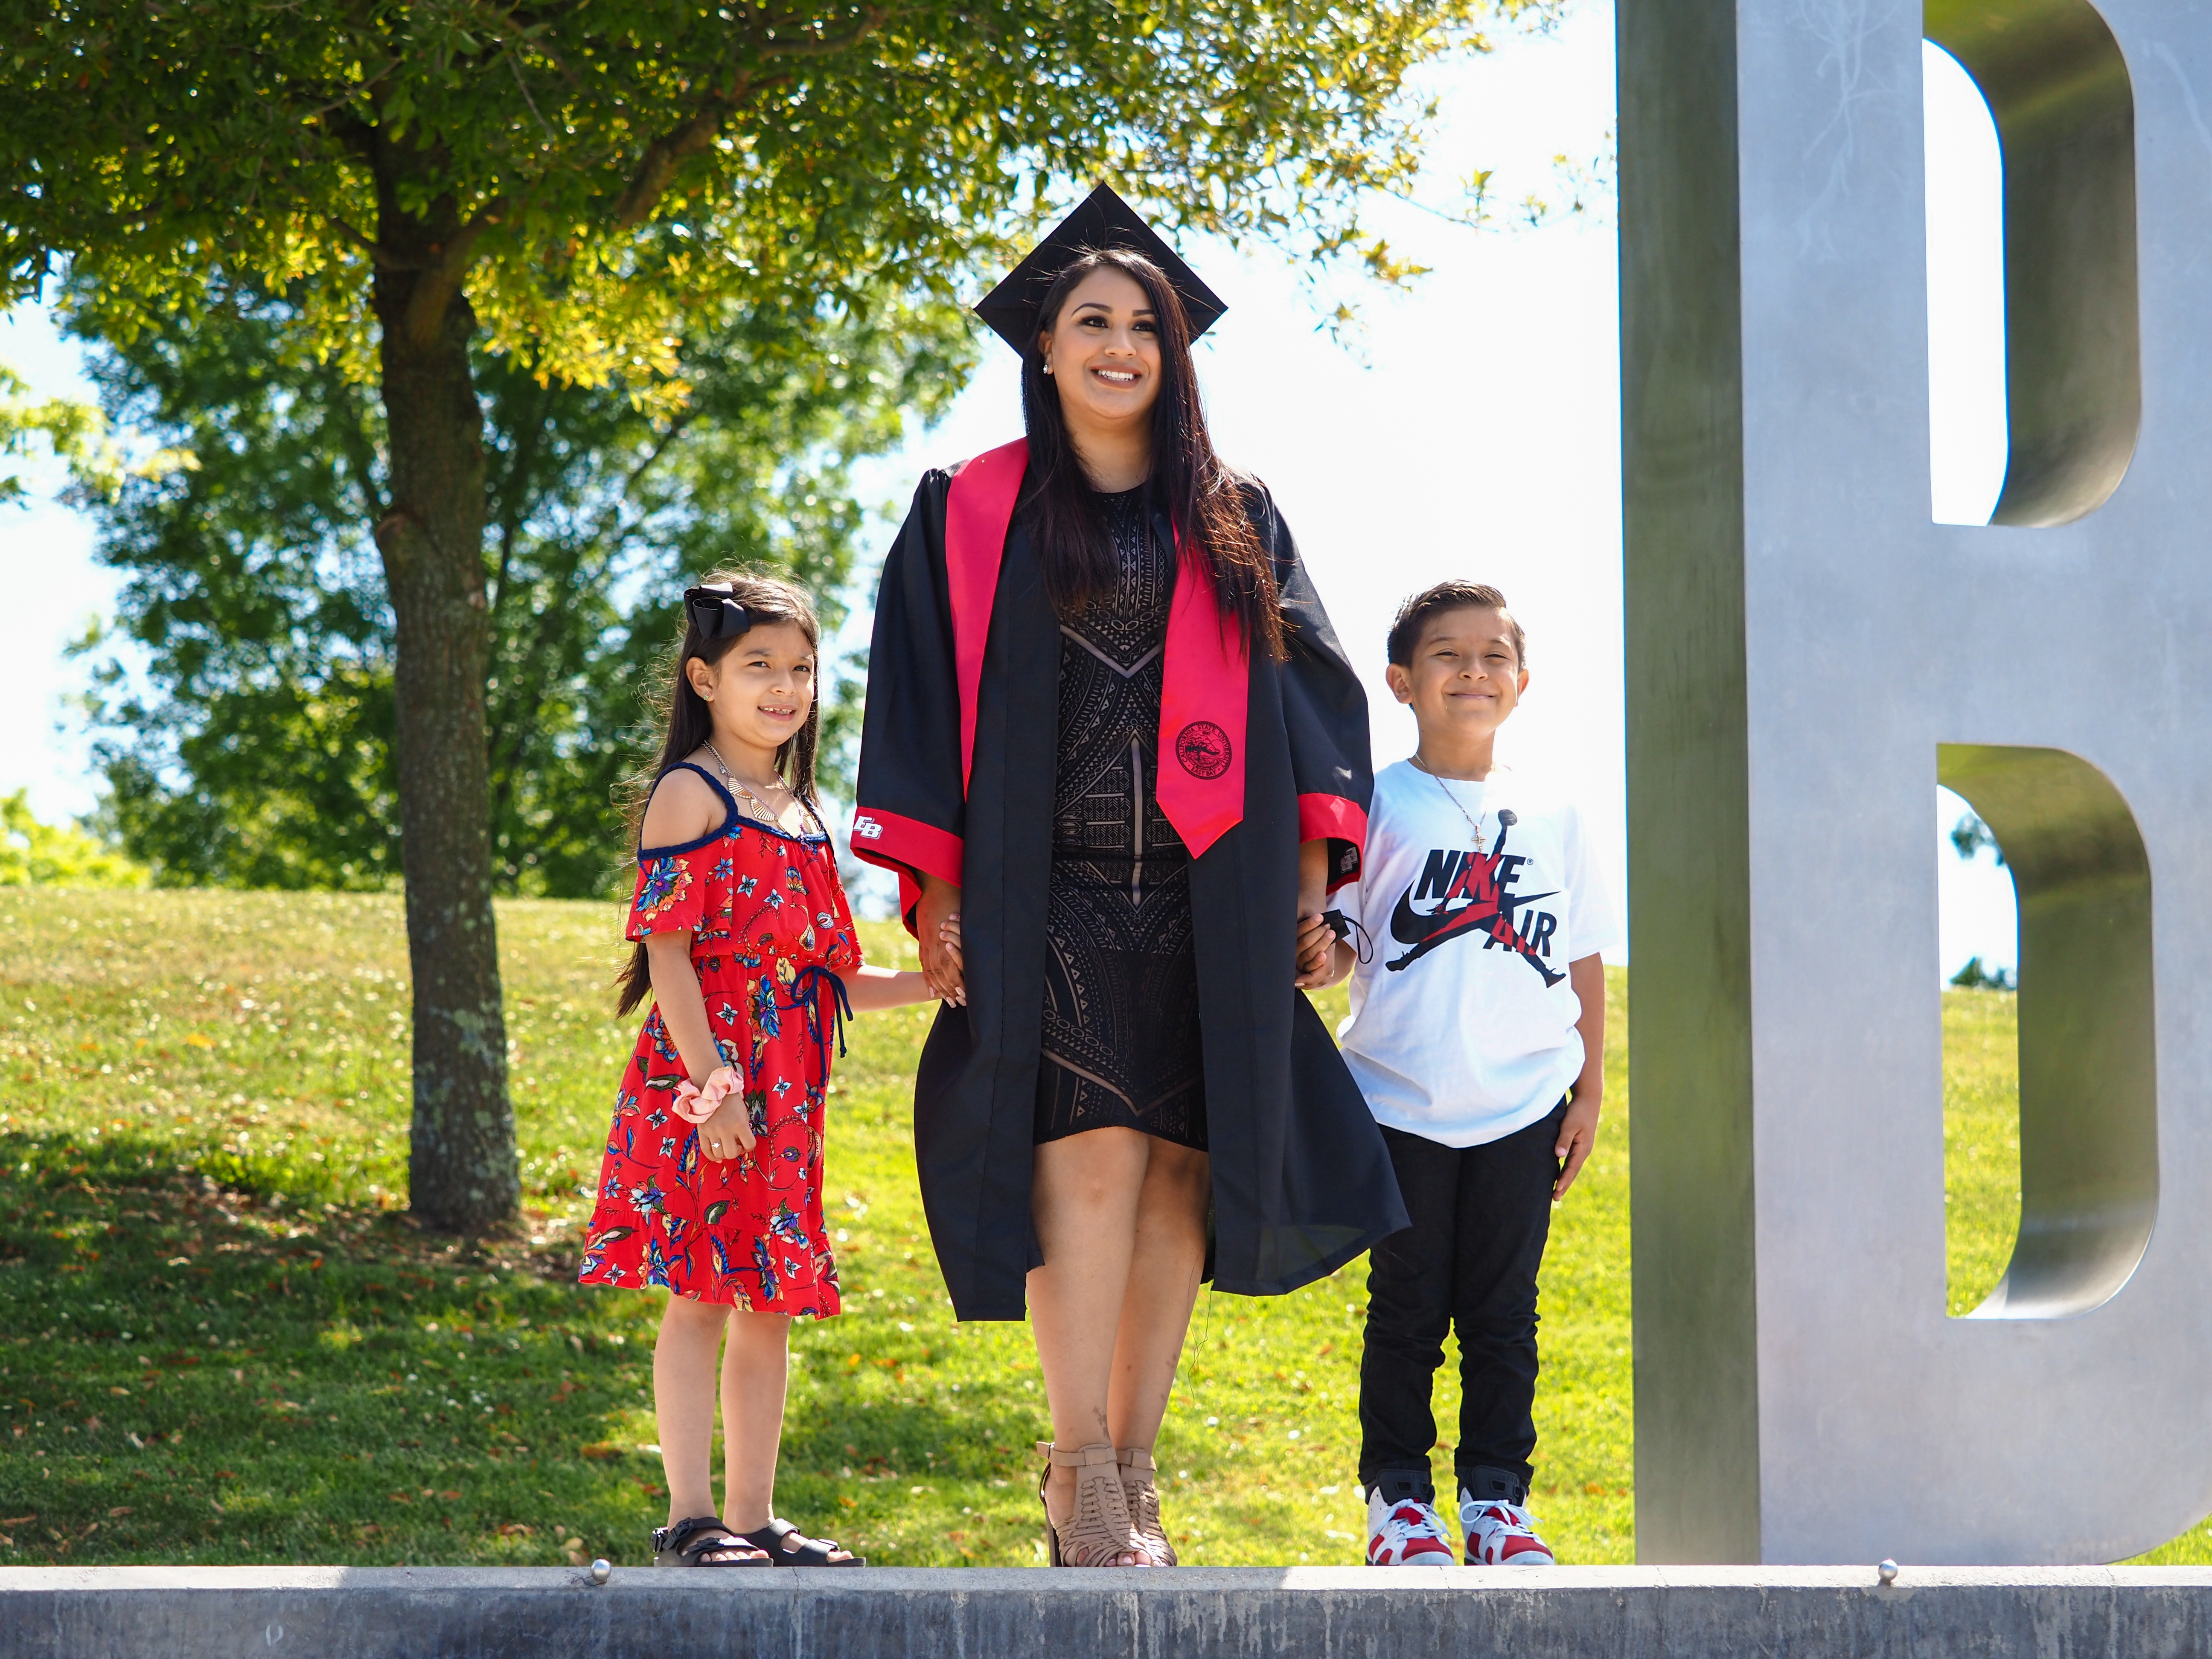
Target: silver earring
point(1047, 368)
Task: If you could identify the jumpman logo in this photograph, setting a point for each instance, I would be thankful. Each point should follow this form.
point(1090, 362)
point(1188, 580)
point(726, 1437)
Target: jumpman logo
point(1475, 896)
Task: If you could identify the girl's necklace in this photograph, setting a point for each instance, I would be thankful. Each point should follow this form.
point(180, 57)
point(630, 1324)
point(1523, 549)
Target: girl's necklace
point(1474, 826)
point(745, 789)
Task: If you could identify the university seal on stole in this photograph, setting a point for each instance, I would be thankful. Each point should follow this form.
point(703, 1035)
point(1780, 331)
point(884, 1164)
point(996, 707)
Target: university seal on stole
point(1202, 747)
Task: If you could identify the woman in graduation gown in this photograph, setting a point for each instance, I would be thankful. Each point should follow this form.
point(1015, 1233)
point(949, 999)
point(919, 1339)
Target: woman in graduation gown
point(1117, 758)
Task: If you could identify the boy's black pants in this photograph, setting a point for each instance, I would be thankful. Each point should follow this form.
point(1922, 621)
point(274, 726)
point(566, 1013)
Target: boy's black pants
point(1480, 1217)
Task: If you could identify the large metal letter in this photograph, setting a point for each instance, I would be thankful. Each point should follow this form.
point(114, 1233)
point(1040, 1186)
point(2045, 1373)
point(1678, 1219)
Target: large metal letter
point(1808, 654)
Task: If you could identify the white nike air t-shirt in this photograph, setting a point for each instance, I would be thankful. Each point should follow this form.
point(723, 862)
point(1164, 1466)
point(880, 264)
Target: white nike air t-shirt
point(1462, 1027)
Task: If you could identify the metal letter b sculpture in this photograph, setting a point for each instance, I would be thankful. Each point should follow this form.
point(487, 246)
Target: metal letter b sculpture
point(1809, 655)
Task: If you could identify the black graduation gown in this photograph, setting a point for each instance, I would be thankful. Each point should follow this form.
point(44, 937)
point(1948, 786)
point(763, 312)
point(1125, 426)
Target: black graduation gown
point(1302, 1180)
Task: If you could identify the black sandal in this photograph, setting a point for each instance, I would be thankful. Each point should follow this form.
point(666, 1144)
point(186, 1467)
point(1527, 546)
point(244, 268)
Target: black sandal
point(788, 1547)
point(688, 1543)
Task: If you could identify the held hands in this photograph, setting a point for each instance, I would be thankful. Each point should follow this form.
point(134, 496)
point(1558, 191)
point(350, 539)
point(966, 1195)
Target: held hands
point(944, 968)
point(1317, 949)
point(937, 930)
point(1316, 952)
point(948, 936)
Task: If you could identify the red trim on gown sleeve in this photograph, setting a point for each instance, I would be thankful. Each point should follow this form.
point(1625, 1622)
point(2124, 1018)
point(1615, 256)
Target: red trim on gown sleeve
point(910, 847)
point(1332, 817)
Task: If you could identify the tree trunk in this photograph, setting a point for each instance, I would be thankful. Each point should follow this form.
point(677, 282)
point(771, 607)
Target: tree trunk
point(461, 1165)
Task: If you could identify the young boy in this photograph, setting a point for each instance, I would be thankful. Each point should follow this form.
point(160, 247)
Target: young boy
point(1478, 1034)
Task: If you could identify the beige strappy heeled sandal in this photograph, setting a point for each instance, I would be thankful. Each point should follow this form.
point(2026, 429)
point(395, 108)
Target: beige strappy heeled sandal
point(1143, 1499)
point(1097, 1532)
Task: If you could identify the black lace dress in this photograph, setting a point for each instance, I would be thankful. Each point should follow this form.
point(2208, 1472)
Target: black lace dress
point(1121, 1045)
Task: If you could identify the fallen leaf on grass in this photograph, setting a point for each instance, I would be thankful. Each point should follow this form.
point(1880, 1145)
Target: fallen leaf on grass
point(599, 1450)
point(17, 1520)
point(120, 1508)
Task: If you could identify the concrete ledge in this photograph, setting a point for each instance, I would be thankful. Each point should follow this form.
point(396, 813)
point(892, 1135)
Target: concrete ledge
point(1631, 1613)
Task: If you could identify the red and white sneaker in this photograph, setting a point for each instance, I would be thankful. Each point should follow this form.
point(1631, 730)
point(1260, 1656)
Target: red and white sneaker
point(1405, 1532)
point(1501, 1535)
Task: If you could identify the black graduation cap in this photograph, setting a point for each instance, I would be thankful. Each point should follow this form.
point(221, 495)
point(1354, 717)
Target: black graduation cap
point(1104, 220)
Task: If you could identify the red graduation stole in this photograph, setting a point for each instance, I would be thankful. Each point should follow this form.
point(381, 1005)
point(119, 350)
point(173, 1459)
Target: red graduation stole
point(1205, 680)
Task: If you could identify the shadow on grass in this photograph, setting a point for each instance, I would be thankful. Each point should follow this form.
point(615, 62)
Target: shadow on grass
point(196, 1371)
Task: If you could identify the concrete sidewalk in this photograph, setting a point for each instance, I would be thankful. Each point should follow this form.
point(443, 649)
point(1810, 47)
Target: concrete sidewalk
point(1621, 1612)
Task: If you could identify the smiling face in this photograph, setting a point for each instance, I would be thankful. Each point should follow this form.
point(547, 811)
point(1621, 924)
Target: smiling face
point(760, 691)
point(1465, 676)
point(1103, 352)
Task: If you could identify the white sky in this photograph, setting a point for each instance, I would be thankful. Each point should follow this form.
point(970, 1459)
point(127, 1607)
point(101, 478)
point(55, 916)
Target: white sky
point(1472, 429)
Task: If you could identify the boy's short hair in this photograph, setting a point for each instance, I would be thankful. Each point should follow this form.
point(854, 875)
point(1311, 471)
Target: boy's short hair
point(1413, 614)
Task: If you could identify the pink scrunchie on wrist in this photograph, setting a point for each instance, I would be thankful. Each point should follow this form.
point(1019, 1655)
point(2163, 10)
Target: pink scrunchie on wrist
point(694, 1103)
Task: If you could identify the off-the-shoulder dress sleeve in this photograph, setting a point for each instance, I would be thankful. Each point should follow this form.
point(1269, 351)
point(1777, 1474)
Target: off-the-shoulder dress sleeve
point(670, 895)
point(672, 886)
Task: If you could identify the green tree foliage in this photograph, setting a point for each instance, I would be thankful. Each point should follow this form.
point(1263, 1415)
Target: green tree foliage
point(568, 183)
point(252, 747)
point(32, 854)
point(30, 427)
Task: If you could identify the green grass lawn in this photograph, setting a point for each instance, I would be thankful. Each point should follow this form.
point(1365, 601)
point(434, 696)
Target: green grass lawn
point(222, 1340)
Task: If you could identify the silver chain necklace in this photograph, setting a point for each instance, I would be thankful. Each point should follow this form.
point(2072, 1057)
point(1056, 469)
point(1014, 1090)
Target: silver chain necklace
point(1474, 825)
point(743, 789)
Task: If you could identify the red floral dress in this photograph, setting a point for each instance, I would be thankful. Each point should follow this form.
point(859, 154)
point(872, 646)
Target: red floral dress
point(771, 932)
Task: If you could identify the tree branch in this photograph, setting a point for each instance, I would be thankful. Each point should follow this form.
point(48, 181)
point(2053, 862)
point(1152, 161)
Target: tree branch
point(871, 20)
point(610, 535)
point(656, 168)
point(426, 305)
point(382, 260)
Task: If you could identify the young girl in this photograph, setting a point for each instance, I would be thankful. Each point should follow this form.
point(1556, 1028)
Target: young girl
point(712, 1187)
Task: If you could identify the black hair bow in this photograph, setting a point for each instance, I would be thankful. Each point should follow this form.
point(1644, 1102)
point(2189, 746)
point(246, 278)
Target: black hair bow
point(715, 614)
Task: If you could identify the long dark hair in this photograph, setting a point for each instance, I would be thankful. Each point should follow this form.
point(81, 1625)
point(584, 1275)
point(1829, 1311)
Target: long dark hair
point(1204, 499)
point(690, 723)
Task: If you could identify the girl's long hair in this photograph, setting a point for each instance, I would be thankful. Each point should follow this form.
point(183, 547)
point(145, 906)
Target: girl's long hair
point(1204, 499)
point(689, 724)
